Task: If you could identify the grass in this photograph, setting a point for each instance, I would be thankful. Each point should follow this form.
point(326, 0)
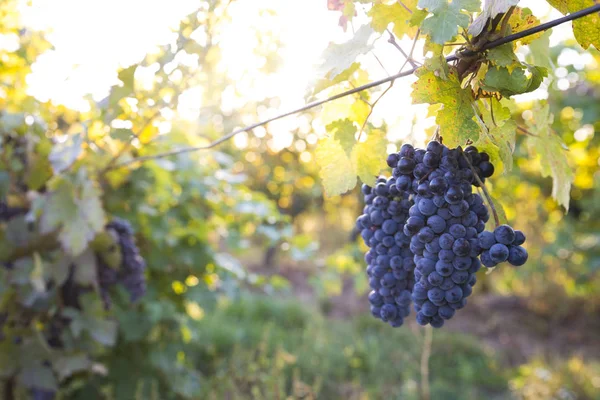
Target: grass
point(266, 348)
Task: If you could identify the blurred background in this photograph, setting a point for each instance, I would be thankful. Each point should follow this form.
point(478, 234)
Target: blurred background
point(256, 283)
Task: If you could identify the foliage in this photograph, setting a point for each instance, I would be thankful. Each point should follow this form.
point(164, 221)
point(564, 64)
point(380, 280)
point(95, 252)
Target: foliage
point(459, 92)
point(67, 173)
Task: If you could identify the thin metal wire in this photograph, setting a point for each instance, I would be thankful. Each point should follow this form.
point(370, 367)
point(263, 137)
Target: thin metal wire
point(488, 46)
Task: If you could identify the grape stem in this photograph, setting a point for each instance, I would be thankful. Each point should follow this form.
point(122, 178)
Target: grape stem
point(425, 354)
point(485, 191)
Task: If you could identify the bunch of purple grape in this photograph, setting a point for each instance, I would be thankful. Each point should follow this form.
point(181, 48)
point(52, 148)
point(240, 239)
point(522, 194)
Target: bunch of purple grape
point(426, 231)
point(131, 272)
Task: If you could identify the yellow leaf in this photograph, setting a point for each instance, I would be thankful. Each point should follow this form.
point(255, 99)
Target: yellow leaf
point(336, 169)
point(368, 157)
point(522, 19)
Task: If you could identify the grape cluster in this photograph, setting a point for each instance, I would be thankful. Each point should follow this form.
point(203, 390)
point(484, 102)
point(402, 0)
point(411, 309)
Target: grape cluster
point(131, 272)
point(504, 244)
point(390, 261)
point(426, 231)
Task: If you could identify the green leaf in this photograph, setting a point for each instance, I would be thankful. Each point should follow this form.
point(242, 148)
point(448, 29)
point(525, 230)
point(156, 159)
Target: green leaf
point(447, 17)
point(368, 157)
point(399, 14)
point(586, 29)
point(540, 51)
point(85, 268)
point(67, 365)
point(339, 57)
point(344, 131)
point(102, 330)
point(37, 376)
point(74, 208)
point(63, 155)
point(336, 169)
point(490, 10)
point(553, 158)
point(60, 270)
point(500, 79)
point(499, 143)
point(503, 56)
point(455, 118)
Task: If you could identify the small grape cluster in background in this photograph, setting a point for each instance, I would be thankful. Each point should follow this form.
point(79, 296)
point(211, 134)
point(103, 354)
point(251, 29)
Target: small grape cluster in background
point(425, 227)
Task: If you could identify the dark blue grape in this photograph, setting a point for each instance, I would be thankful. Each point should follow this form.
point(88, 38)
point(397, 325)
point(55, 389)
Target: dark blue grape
point(392, 160)
point(486, 259)
point(429, 309)
point(422, 319)
point(499, 253)
point(519, 238)
point(426, 235)
point(455, 294)
point(446, 312)
point(486, 240)
point(375, 299)
point(457, 231)
point(390, 227)
point(446, 241)
point(436, 223)
point(388, 312)
point(426, 207)
point(517, 255)
point(444, 268)
point(459, 277)
point(461, 247)
point(436, 295)
point(407, 150)
point(504, 234)
point(446, 255)
point(462, 263)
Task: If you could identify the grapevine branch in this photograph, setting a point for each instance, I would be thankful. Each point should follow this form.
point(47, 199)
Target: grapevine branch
point(452, 58)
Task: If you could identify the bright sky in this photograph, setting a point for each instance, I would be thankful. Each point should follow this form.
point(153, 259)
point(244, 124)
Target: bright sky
point(92, 38)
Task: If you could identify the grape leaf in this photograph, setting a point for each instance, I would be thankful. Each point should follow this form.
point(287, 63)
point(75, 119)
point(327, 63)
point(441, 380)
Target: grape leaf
point(522, 19)
point(367, 157)
point(338, 57)
point(400, 14)
point(586, 29)
point(64, 154)
point(74, 208)
point(344, 132)
point(499, 140)
point(323, 84)
point(456, 117)
point(447, 17)
point(491, 8)
point(38, 376)
point(553, 158)
point(540, 51)
point(500, 79)
point(67, 365)
point(336, 169)
point(503, 56)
